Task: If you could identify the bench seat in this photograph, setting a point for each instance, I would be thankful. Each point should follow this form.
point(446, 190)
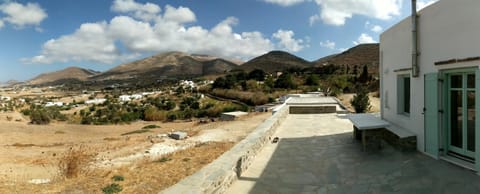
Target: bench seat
point(370, 129)
point(399, 131)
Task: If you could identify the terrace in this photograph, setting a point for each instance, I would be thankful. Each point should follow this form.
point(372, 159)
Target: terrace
point(317, 154)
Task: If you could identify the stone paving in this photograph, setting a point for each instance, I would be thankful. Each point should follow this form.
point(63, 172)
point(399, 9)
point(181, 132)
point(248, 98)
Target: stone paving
point(317, 154)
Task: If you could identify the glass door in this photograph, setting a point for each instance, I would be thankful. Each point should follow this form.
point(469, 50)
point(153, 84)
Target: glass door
point(461, 114)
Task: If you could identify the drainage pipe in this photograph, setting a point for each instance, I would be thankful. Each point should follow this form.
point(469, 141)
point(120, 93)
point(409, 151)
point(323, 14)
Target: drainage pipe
point(415, 69)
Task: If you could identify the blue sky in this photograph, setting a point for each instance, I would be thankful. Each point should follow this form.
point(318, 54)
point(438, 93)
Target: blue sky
point(49, 35)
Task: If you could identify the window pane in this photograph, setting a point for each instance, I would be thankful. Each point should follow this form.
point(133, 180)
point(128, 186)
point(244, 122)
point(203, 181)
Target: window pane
point(471, 81)
point(471, 121)
point(456, 118)
point(456, 81)
point(406, 92)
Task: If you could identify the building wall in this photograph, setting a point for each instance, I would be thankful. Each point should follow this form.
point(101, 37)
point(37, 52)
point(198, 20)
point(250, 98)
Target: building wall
point(447, 30)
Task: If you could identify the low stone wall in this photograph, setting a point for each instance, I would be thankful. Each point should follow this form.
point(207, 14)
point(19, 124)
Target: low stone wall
point(221, 173)
point(321, 109)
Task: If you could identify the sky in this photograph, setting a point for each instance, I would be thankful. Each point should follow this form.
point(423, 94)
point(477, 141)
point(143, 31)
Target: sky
point(50, 35)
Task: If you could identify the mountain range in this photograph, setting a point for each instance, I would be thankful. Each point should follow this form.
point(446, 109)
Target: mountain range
point(178, 64)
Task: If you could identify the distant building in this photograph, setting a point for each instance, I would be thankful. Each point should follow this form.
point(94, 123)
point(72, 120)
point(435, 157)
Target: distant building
point(231, 116)
point(50, 104)
point(187, 84)
point(5, 98)
point(96, 101)
point(126, 98)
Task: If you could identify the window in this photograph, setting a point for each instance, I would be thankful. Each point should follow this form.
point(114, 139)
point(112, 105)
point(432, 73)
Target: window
point(403, 88)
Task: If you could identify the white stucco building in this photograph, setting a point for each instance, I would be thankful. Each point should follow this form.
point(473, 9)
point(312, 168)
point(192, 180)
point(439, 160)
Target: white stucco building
point(96, 101)
point(50, 104)
point(5, 98)
point(125, 98)
point(440, 103)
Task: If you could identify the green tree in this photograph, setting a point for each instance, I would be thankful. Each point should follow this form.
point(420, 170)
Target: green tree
point(361, 101)
point(219, 83)
point(363, 78)
point(312, 80)
point(285, 81)
point(257, 74)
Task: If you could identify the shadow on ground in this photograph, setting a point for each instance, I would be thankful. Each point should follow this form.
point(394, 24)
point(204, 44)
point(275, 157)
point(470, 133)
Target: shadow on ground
point(336, 164)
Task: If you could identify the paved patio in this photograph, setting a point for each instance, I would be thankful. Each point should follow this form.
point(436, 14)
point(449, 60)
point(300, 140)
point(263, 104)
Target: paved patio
point(317, 154)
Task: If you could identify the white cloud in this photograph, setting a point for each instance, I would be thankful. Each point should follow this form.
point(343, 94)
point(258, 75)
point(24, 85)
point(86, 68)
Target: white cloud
point(424, 3)
point(1, 24)
point(364, 38)
point(125, 36)
point(284, 3)
point(180, 15)
point(22, 15)
point(287, 41)
point(313, 19)
point(146, 12)
point(328, 44)
point(90, 42)
point(376, 28)
point(334, 12)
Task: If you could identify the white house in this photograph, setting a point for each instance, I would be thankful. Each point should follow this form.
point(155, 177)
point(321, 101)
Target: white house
point(5, 98)
point(96, 101)
point(187, 84)
point(50, 104)
point(125, 98)
point(429, 77)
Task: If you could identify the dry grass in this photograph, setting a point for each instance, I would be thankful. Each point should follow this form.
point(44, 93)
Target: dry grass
point(75, 161)
point(21, 145)
point(137, 132)
point(168, 170)
point(145, 176)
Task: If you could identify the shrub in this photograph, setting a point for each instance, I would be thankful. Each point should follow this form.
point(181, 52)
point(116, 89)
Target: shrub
point(153, 114)
point(151, 127)
point(75, 161)
point(118, 178)
point(39, 117)
point(312, 80)
point(112, 188)
point(171, 116)
point(361, 101)
point(164, 159)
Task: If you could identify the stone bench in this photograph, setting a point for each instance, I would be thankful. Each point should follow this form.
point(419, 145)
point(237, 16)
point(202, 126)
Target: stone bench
point(400, 138)
point(371, 130)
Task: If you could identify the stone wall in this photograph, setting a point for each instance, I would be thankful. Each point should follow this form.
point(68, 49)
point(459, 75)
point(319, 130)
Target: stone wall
point(220, 174)
point(313, 109)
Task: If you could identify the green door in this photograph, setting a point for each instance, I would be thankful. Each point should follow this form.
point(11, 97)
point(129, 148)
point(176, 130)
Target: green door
point(431, 114)
point(461, 114)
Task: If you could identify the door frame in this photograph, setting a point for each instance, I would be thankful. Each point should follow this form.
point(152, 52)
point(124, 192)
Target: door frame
point(446, 104)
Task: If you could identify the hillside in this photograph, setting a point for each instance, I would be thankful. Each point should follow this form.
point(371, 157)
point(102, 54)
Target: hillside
point(70, 73)
point(171, 64)
point(275, 61)
point(359, 55)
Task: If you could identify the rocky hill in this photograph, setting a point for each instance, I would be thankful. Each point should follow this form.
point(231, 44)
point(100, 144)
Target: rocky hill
point(275, 61)
point(171, 64)
point(70, 73)
point(363, 54)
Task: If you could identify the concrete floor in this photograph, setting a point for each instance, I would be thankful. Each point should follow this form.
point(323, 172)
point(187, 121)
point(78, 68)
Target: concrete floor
point(317, 154)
